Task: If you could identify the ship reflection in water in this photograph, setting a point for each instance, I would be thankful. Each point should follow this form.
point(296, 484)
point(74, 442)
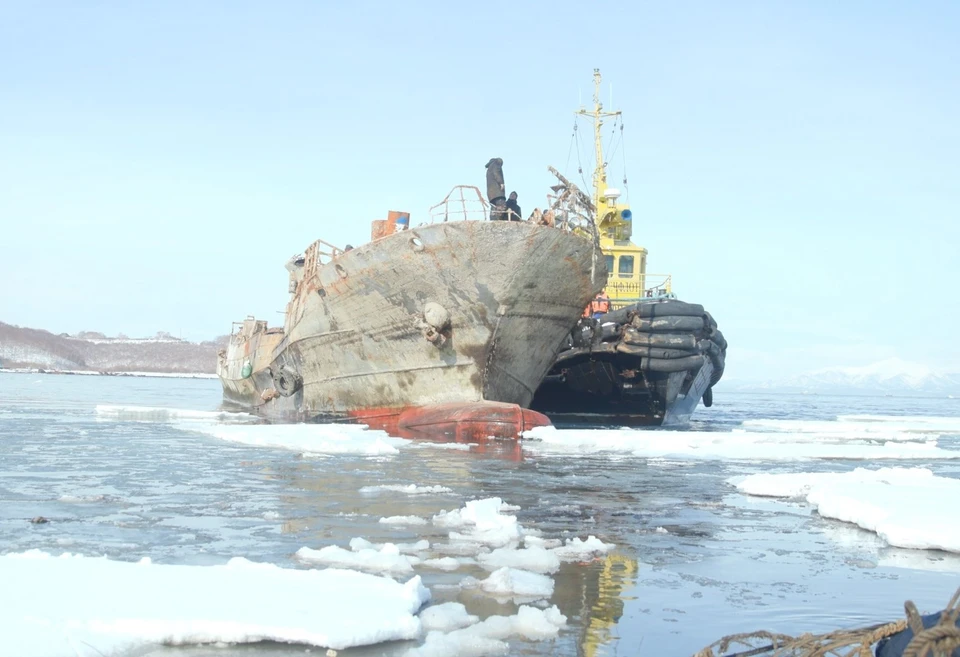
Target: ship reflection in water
point(595, 593)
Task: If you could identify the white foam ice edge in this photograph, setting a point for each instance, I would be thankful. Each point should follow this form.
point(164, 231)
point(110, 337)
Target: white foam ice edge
point(906, 507)
point(94, 606)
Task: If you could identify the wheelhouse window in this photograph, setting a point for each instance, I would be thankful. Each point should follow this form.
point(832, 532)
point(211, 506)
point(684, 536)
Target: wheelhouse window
point(625, 266)
point(609, 262)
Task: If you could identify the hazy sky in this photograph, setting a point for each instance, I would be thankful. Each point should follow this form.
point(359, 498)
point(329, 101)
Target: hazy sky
point(795, 166)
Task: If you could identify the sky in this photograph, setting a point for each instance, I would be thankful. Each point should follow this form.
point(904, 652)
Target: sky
point(794, 165)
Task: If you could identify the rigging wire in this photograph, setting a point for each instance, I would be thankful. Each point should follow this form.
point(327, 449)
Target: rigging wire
point(623, 152)
point(614, 140)
point(579, 162)
point(573, 136)
point(613, 135)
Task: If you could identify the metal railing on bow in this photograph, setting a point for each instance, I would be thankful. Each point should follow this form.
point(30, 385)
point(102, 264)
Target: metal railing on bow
point(463, 203)
point(568, 208)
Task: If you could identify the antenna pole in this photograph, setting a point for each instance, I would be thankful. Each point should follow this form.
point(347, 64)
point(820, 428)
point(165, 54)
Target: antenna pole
point(600, 170)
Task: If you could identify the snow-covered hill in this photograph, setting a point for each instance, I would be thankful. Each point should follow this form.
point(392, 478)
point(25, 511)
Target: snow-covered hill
point(33, 348)
point(890, 375)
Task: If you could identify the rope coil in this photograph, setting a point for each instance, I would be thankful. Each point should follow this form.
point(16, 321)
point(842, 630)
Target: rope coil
point(936, 641)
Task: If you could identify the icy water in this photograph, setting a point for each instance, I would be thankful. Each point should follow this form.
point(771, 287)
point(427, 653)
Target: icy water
point(136, 467)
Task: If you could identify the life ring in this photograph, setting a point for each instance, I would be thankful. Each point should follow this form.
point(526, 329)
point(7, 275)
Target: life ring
point(287, 380)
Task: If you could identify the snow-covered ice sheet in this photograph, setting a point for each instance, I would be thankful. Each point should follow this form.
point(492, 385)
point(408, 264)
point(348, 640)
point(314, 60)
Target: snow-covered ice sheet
point(109, 412)
point(920, 423)
point(85, 606)
point(738, 445)
point(310, 439)
point(906, 507)
point(859, 428)
point(515, 582)
point(319, 439)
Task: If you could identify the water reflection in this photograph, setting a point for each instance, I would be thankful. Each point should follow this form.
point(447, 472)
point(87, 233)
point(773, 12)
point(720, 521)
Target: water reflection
point(606, 602)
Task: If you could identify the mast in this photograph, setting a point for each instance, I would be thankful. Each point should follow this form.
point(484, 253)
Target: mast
point(597, 115)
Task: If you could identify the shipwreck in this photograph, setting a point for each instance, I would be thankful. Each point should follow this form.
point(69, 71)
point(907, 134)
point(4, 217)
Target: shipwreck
point(444, 330)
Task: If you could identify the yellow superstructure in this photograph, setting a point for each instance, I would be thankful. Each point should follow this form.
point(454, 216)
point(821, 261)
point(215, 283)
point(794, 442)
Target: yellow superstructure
point(626, 262)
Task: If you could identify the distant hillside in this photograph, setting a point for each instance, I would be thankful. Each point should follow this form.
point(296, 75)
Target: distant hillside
point(87, 351)
point(893, 375)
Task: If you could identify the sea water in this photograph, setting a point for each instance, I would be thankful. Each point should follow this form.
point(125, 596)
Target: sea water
point(173, 528)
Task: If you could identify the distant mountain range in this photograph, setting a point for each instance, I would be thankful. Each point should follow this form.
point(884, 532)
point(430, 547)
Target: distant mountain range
point(94, 352)
point(891, 375)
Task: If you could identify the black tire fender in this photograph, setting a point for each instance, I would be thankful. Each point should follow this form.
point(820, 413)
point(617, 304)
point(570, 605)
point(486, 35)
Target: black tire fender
point(287, 380)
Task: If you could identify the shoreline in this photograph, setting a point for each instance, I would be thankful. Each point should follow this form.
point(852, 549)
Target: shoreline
point(173, 375)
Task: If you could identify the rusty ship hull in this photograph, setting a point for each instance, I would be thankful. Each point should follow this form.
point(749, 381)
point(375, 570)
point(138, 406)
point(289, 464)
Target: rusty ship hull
point(445, 329)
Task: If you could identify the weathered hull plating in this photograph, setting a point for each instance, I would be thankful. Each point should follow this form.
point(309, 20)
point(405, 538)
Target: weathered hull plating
point(459, 312)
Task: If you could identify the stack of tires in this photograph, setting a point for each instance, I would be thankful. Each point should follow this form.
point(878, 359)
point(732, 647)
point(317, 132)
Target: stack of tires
point(670, 336)
point(666, 335)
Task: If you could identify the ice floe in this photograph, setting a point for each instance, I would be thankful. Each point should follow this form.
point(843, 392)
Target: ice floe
point(410, 489)
point(906, 507)
point(514, 582)
point(448, 563)
point(357, 544)
point(577, 550)
point(387, 560)
point(534, 559)
point(403, 520)
point(487, 637)
point(446, 617)
point(482, 523)
point(74, 605)
point(328, 607)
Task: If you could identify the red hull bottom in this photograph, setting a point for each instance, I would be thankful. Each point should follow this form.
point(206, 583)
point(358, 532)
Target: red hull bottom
point(455, 422)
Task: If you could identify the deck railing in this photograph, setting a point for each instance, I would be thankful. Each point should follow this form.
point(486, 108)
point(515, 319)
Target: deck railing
point(463, 203)
point(568, 209)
